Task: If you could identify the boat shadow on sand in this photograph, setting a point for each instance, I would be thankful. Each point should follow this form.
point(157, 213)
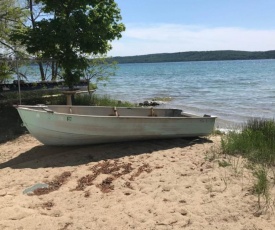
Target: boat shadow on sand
point(50, 156)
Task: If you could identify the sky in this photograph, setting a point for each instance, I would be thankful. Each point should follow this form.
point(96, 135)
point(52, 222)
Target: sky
point(168, 26)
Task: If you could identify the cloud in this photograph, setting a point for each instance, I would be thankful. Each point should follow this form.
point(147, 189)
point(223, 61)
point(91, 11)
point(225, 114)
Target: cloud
point(168, 38)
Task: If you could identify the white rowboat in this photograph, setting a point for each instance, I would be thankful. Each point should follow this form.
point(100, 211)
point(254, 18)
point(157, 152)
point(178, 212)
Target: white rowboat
point(83, 125)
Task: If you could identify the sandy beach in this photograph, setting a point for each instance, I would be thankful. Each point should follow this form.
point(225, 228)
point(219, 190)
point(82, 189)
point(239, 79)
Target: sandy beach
point(159, 184)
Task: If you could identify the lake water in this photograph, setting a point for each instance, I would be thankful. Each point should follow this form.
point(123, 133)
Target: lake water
point(235, 91)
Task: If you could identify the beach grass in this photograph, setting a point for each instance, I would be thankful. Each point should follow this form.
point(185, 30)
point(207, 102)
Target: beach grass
point(261, 186)
point(256, 142)
point(106, 100)
point(98, 100)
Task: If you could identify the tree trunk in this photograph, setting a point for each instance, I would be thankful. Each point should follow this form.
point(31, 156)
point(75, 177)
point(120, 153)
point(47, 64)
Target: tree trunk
point(42, 73)
point(54, 70)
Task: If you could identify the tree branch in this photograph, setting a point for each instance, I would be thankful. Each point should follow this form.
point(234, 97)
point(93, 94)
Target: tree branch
point(7, 45)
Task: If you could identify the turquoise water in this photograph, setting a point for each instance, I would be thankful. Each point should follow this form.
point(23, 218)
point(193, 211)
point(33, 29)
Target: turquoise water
point(232, 90)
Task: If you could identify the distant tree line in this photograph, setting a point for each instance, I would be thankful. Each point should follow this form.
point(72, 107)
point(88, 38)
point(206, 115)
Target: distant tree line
point(197, 56)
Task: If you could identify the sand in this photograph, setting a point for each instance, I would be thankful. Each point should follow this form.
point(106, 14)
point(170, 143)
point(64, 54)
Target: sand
point(160, 184)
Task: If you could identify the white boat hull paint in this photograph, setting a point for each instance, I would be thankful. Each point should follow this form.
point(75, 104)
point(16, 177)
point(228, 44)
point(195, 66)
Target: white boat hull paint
point(79, 125)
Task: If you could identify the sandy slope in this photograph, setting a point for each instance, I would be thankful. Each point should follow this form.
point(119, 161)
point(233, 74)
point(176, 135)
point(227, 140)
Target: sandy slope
point(170, 184)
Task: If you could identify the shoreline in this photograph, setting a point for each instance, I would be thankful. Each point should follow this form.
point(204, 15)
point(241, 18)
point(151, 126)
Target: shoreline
point(221, 123)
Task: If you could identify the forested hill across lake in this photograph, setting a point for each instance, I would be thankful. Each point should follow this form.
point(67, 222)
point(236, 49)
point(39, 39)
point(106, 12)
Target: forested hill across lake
point(197, 56)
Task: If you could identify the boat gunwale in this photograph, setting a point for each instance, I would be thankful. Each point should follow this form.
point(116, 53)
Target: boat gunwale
point(190, 116)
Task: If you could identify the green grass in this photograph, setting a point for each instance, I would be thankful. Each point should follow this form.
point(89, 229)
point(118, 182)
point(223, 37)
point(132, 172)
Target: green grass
point(261, 187)
point(108, 101)
point(256, 142)
point(96, 100)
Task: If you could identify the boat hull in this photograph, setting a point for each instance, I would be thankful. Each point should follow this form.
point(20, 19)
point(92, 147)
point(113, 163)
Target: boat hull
point(55, 128)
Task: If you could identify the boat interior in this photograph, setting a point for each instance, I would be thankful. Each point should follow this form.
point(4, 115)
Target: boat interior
point(111, 111)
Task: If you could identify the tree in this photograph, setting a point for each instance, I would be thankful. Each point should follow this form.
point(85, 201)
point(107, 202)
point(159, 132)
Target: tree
point(36, 14)
point(11, 16)
point(78, 28)
point(99, 70)
point(5, 71)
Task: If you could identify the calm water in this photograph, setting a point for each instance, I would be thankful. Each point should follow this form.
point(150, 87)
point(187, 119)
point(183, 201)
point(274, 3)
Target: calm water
point(232, 90)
